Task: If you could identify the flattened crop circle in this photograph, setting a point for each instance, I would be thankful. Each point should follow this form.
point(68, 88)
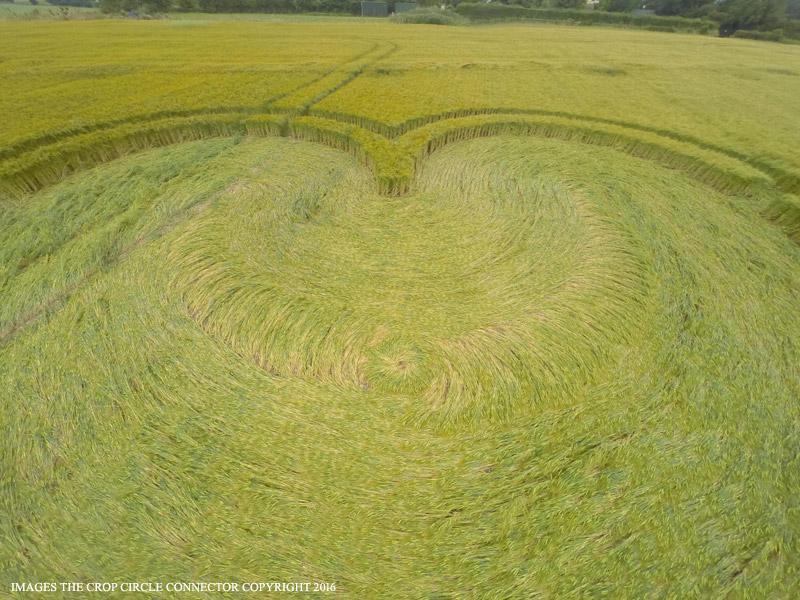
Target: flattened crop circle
point(482, 293)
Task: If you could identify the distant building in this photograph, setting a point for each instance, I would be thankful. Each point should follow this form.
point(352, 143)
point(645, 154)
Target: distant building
point(374, 9)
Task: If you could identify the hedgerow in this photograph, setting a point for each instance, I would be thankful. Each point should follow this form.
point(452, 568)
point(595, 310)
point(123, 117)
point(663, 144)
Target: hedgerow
point(504, 12)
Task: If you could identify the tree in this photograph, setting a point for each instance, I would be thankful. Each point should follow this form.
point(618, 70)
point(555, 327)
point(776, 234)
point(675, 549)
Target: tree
point(566, 3)
point(675, 7)
point(620, 5)
point(186, 5)
point(115, 6)
point(158, 6)
point(750, 14)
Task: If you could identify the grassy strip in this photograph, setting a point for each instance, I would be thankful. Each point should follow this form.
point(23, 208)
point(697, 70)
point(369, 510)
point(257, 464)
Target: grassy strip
point(373, 150)
point(52, 137)
point(49, 164)
point(787, 181)
point(393, 162)
point(785, 213)
point(733, 177)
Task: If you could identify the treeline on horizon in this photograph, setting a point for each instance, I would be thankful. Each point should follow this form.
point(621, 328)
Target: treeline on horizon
point(732, 15)
point(772, 20)
point(759, 19)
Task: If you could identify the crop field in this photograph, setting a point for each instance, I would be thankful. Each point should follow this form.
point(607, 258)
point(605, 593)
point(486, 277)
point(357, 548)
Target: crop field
point(420, 312)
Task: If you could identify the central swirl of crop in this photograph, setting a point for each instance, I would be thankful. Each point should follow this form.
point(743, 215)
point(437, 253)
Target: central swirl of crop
point(485, 290)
